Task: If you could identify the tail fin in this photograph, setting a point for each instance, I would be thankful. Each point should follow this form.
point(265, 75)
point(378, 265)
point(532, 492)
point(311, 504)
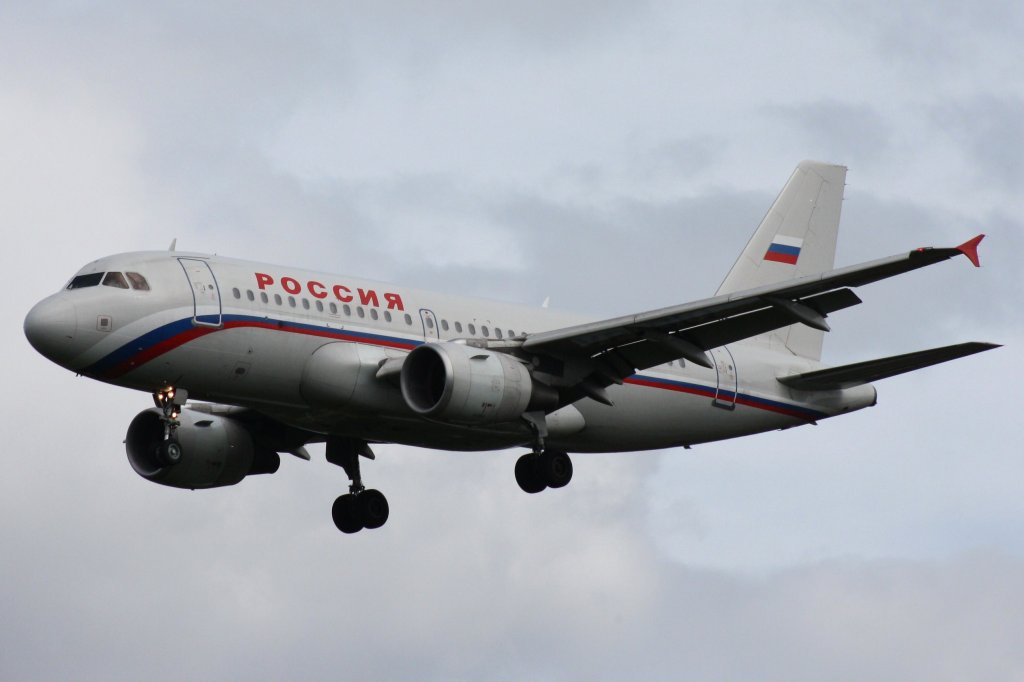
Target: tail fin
point(797, 237)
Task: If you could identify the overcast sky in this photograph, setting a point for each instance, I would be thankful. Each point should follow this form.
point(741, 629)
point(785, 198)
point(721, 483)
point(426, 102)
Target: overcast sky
point(614, 156)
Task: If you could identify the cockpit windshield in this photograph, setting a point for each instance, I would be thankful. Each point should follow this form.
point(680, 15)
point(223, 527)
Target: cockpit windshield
point(115, 279)
point(110, 279)
point(83, 281)
point(139, 282)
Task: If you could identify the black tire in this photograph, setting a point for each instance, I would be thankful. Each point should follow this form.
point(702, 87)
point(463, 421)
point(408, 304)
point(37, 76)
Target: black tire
point(555, 468)
point(528, 474)
point(373, 508)
point(346, 514)
point(168, 453)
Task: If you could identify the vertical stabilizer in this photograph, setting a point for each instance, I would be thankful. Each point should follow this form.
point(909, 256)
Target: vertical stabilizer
point(797, 237)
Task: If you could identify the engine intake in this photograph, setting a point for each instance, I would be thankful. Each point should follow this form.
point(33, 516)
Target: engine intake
point(215, 451)
point(461, 384)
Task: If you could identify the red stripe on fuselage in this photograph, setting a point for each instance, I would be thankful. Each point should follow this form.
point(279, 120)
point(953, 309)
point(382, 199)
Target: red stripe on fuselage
point(710, 393)
point(180, 339)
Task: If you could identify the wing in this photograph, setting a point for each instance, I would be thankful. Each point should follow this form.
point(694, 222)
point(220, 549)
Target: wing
point(594, 355)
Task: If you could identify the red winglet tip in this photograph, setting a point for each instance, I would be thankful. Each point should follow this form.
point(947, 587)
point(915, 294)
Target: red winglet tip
point(970, 249)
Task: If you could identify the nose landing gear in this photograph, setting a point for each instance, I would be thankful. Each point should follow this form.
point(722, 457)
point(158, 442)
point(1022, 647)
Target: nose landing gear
point(360, 508)
point(170, 401)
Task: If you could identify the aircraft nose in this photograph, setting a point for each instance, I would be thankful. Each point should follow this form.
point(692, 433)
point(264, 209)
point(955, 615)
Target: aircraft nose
point(50, 327)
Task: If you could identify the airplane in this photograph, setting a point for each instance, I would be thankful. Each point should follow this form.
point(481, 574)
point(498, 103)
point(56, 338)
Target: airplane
point(279, 357)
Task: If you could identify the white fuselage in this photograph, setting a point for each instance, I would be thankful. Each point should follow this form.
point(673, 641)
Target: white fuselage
point(242, 333)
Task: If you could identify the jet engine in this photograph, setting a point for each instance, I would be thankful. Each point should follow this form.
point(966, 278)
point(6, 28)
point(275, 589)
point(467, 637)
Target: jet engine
point(211, 451)
point(457, 383)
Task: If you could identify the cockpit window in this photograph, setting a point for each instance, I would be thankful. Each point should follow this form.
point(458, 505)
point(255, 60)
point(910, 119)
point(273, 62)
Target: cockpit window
point(138, 282)
point(115, 279)
point(83, 281)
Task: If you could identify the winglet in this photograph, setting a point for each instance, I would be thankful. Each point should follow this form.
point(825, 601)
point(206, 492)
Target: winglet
point(970, 249)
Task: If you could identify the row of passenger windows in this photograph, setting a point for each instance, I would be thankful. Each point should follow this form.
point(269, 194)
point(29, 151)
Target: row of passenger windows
point(374, 314)
point(484, 329)
point(110, 279)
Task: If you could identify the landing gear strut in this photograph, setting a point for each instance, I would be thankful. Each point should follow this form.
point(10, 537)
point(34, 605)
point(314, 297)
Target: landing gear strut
point(360, 508)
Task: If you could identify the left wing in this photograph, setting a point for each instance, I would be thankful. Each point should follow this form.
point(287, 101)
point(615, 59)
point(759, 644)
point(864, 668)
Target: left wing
point(598, 354)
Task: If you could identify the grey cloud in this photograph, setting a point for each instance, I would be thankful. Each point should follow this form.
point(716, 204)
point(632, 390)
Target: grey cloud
point(856, 133)
point(939, 38)
point(986, 128)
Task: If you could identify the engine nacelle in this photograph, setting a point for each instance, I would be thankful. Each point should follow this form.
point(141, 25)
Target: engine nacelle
point(215, 451)
point(461, 384)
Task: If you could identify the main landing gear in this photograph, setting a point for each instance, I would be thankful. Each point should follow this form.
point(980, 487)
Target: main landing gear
point(360, 508)
point(542, 468)
point(547, 469)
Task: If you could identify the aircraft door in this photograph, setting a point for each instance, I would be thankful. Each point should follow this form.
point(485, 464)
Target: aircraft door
point(205, 292)
point(429, 321)
point(727, 379)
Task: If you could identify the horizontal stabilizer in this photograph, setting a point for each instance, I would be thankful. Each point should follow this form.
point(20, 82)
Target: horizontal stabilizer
point(847, 376)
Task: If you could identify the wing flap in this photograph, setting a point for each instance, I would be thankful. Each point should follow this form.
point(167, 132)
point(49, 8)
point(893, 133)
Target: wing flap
point(848, 376)
point(650, 350)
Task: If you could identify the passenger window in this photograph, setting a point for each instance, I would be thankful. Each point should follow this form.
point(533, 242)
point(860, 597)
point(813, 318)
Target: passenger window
point(249, 295)
point(319, 306)
point(83, 281)
point(444, 325)
point(430, 323)
point(236, 293)
point(458, 327)
point(511, 333)
point(291, 301)
point(373, 313)
point(137, 281)
point(348, 310)
point(277, 299)
point(387, 316)
point(472, 329)
point(263, 297)
point(408, 319)
point(497, 332)
point(116, 280)
point(360, 312)
point(485, 330)
point(305, 303)
point(334, 308)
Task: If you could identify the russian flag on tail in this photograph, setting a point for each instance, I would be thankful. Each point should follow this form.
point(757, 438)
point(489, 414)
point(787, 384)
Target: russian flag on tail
point(784, 249)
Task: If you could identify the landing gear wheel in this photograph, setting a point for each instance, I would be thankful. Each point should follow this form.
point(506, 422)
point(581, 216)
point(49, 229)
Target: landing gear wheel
point(555, 468)
point(346, 514)
point(528, 474)
point(373, 508)
point(168, 453)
